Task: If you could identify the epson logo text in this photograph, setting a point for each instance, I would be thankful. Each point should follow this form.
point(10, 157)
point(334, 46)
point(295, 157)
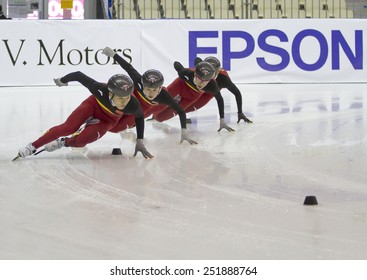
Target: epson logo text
point(287, 50)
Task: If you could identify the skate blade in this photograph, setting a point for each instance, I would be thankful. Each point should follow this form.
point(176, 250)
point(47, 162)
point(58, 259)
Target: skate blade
point(18, 156)
point(40, 151)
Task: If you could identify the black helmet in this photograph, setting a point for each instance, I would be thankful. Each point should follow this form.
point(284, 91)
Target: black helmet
point(213, 61)
point(120, 85)
point(205, 70)
point(152, 79)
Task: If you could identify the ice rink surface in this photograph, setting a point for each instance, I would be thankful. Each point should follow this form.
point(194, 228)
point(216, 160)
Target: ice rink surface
point(235, 195)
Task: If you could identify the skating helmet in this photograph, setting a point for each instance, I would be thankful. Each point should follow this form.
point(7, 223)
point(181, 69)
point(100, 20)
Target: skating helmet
point(213, 61)
point(205, 71)
point(152, 79)
point(120, 85)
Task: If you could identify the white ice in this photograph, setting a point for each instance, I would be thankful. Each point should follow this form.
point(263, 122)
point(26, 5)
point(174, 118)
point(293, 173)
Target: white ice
point(234, 195)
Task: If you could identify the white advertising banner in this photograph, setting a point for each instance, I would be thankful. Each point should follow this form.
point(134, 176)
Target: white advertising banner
point(253, 51)
point(35, 52)
point(265, 51)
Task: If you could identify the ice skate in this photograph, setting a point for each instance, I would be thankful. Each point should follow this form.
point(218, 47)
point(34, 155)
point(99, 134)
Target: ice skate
point(55, 145)
point(26, 151)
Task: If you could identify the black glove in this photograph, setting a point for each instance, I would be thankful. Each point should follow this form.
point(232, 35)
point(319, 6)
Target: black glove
point(197, 60)
point(241, 116)
point(178, 66)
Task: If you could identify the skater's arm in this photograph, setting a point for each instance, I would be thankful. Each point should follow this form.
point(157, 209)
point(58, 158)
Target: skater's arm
point(213, 88)
point(197, 60)
point(183, 73)
point(165, 98)
point(139, 121)
point(99, 90)
point(224, 81)
point(134, 108)
point(80, 77)
point(220, 103)
point(131, 71)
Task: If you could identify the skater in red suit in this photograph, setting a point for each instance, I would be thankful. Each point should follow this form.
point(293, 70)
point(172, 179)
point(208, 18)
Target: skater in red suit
point(97, 114)
point(223, 81)
point(189, 87)
point(149, 90)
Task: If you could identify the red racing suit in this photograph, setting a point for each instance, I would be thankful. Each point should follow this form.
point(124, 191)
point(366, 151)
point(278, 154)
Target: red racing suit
point(97, 106)
point(186, 93)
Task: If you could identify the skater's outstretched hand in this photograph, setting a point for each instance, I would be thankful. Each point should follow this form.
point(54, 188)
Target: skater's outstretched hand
point(185, 136)
point(223, 124)
point(109, 52)
point(241, 116)
point(139, 147)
